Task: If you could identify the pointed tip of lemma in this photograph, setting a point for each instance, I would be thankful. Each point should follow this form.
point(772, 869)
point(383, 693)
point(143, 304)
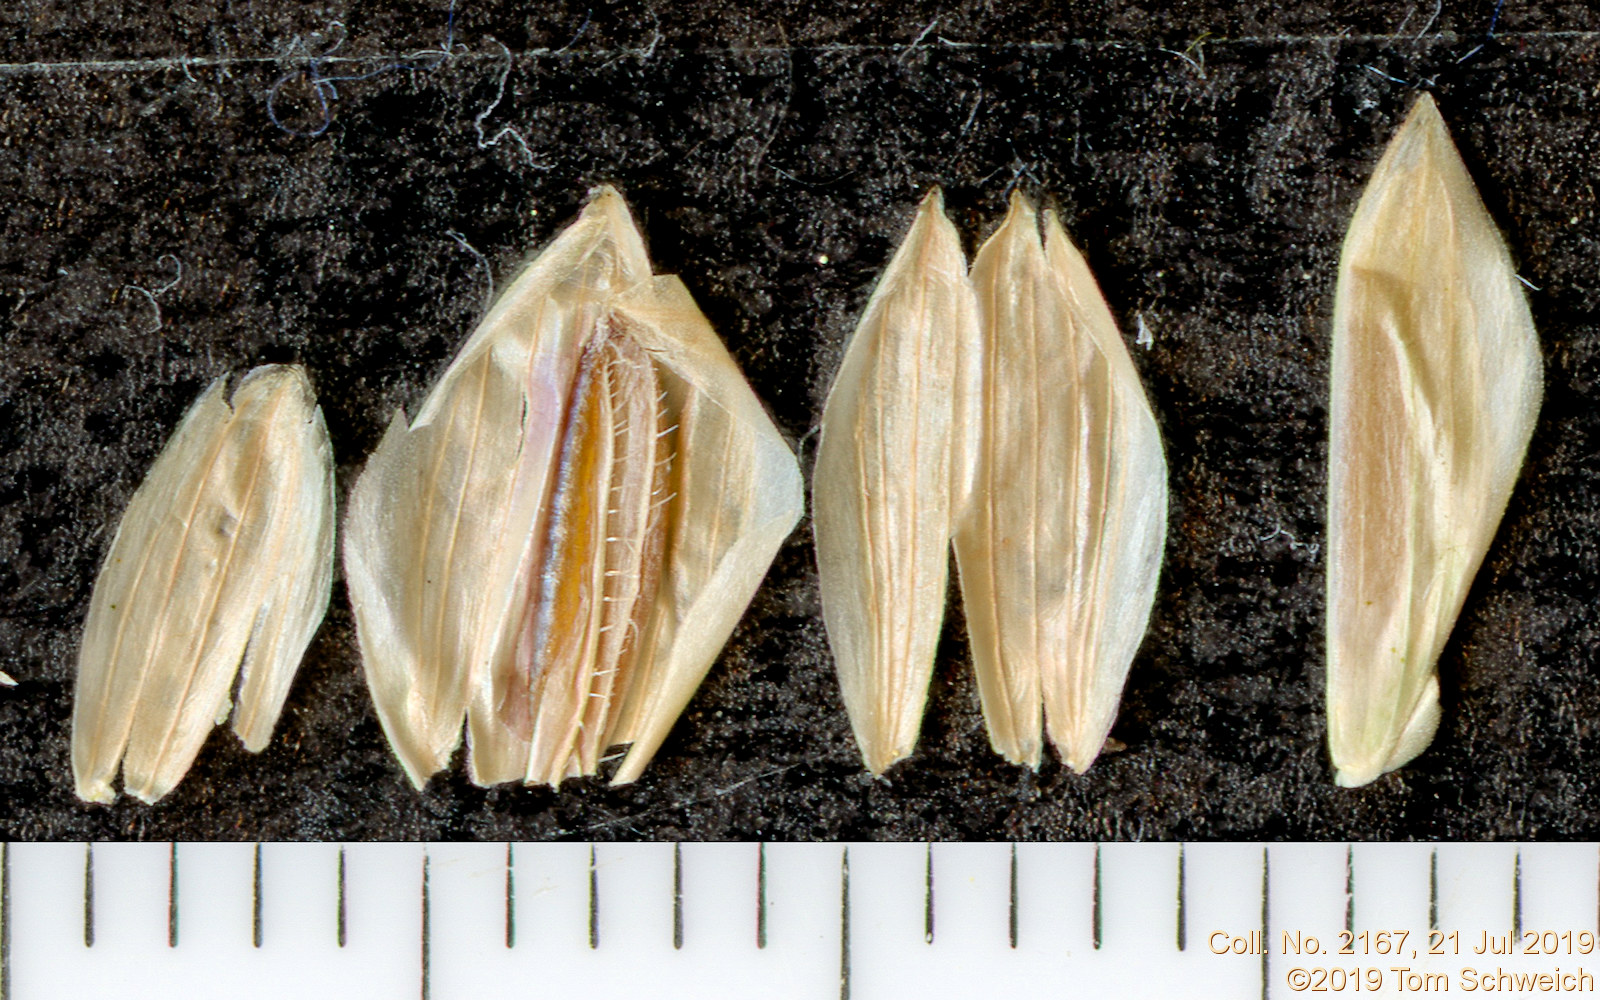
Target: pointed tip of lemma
point(604, 195)
point(931, 229)
point(1023, 753)
point(148, 798)
point(1080, 762)
point(1423, 129)
point(606, 201)
point(627, 774)
point(421, 763)
point(608, 209)
point(933, 223)
point(149, 792)
point(1414, 738)
point(1424, 107)
point(1054, 233)
point(1019, 208)
point(418, 780)
point(1021, 223)
point(6, 680)
point(251, 737)
point(1078, 751)
point(1424, 116)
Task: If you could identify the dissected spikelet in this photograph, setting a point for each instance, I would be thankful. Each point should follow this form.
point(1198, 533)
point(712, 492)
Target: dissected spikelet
point(221, 566)
point(892, 470)
point(1436, 384)
point(1060, 545)
point(561, 542)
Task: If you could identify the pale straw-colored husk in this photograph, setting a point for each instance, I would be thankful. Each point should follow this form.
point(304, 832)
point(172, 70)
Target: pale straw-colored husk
point(998, 410)
point(1060, 545)
point(558, 546)
point(892, 469)
point(221, 566)
point(1437, 379)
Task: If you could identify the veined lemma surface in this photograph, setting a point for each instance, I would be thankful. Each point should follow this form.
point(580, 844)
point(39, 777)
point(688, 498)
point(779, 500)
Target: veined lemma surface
point(1437, 380)
point(998, 411)
point(556, 548)
point(221, 566)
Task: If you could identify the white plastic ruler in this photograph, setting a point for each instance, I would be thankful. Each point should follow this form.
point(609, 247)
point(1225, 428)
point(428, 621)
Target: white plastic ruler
point(801, 921)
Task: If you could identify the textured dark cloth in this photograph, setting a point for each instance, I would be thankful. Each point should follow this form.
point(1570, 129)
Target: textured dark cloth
point(192, 191)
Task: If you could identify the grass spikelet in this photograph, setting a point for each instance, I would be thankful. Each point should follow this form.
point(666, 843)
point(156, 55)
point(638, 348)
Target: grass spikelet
point(1060, 546)
point(890, 476)
point(221, 566)
point(558, 546)
point(1436, 384)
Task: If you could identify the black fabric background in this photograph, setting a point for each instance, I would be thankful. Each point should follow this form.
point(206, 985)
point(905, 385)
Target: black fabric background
point(314, 169)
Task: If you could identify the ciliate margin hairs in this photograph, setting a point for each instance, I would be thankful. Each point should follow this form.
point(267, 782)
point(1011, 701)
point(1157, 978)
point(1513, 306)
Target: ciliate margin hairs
point(460, 524)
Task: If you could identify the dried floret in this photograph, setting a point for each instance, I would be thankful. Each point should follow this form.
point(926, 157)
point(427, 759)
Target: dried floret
point(221, 566)
point(1060, 545)
point(891, 473)
point(561, 542)
point(1437, 379)
point(998, 410)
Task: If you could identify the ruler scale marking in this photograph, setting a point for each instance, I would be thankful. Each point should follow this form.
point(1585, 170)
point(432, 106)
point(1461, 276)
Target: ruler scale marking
point(131, 883)
point(1183, 914)
point(594, 902)
point(1433, 890)
point(88, 895)
point(844, 926)
point(1516, 901)
point(1096, 897)
point(677, 897)
point(340, 918)
point(172, 897)
point(1266, 887)
point(427, 931)
point(5, 920)
point(511, 898)
point(1012, 916)
point(761, 895)
point(1350, 889)
point(255, 899)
